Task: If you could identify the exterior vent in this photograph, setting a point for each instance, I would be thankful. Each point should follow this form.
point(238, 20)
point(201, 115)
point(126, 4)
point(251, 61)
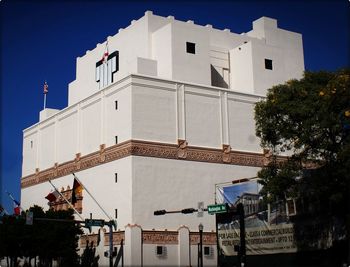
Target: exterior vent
point(161, 251)
point(208, 251)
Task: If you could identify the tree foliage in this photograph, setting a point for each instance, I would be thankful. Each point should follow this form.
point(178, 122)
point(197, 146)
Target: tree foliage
point(45, 240)
point(309, 120)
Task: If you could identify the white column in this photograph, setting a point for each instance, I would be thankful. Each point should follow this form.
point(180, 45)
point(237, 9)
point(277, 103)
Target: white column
point(102, 118)
point(180, 114)
point(56, 139)
point(78, 128)
point(133, 245)
point(184, 246)
point(224, 118)
point(38, 143)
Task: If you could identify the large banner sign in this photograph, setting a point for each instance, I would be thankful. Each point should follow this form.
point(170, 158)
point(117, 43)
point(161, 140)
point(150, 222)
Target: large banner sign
point(268, 229)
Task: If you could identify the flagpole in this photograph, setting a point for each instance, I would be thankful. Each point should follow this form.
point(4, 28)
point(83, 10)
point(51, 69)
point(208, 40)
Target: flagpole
point(70, 205)
point(44, 101)
point(12, 198)
point(4, 210)
point(87, 191)
point(46, 90)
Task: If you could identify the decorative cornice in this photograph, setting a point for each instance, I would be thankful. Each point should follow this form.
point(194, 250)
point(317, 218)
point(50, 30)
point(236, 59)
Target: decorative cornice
point(117, 238)
point(160, 237)
point(90, 240)
point(208, 238)
point(150, 237)
point(179, 151)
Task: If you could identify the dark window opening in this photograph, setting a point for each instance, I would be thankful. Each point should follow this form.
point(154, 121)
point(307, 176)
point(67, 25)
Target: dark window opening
point(159, 250)
point(116, 213)
point(116, 139)
point(206, 251)
point(190, 48)
point(116, 104)
point(116, 177)
point(268, 64)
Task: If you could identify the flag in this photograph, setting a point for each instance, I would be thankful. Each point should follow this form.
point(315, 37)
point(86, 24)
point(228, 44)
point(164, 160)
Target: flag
point(77, 189)
point(105, 54)
point(52, 196)
point(16, 205)
point(46, 88)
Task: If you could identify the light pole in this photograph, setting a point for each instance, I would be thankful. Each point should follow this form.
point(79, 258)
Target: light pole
point(200, 252)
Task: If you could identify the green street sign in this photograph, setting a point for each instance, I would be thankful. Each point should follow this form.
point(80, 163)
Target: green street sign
point(218, 208)
point(94, 222)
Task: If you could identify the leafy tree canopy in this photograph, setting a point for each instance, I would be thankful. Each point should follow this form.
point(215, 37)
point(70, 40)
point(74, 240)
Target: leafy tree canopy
point(52, 236)
point(309, 120)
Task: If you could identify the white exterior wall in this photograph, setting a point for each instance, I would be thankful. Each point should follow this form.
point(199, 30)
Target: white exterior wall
point(153, 114)
point(80, 128)
point(162, 51)
point(30, 147)
point(241, 63)
point(68, 135)
point(203, 118)
point(188, 67)
point(148, 109)
point(174, 185)
point(100, 181)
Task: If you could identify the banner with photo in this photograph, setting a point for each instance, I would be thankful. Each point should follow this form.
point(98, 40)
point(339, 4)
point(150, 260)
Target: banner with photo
point(268, 226)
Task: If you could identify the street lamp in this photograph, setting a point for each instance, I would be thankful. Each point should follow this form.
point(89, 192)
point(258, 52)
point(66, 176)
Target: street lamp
point(200, 252)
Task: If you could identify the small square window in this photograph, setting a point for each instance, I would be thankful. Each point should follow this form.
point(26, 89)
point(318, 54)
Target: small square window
point(116, 213)
point(116, 139)
point(116, 104)
point(116, 177)
point(159, 250)
point(190, 48)
point(268, 64)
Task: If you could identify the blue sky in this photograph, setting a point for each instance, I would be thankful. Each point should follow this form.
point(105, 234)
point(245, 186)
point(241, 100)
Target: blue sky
point(41, 40)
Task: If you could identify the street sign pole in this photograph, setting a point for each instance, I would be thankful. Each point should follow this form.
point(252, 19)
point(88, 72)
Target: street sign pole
point(110, 225)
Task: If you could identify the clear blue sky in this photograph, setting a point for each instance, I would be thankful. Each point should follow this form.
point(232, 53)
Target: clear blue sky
point(40, 41)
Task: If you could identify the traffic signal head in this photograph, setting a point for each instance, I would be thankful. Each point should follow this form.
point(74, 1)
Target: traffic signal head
point(159, 212)
point(186, 211)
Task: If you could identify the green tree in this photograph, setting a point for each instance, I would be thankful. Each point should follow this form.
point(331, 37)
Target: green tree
point(53, 236)
point(309, 119)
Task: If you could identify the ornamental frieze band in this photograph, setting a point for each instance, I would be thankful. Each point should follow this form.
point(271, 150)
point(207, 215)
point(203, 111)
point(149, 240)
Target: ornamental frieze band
point(208, 238)
point(155, 237)
point(180, 151)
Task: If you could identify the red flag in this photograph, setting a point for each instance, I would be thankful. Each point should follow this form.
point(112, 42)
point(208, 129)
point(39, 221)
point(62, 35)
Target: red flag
point(52, 196)
point(46, 88)
point(16, 207)
point(105, 54)
point(76, 191)
point(17, 210)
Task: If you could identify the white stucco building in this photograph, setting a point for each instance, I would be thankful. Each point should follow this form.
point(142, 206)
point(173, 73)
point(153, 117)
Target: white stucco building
point(168, 116)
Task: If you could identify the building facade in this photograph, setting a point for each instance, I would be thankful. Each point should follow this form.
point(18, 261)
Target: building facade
point(156, 124)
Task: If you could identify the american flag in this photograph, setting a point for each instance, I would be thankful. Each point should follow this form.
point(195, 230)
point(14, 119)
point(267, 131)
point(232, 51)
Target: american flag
point(46, 88)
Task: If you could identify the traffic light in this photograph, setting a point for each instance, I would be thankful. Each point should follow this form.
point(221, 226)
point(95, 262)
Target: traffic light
point(186, 211)
point(159, 212)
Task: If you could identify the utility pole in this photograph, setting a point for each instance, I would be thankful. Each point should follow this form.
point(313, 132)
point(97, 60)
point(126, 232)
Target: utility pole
point(242, 248)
